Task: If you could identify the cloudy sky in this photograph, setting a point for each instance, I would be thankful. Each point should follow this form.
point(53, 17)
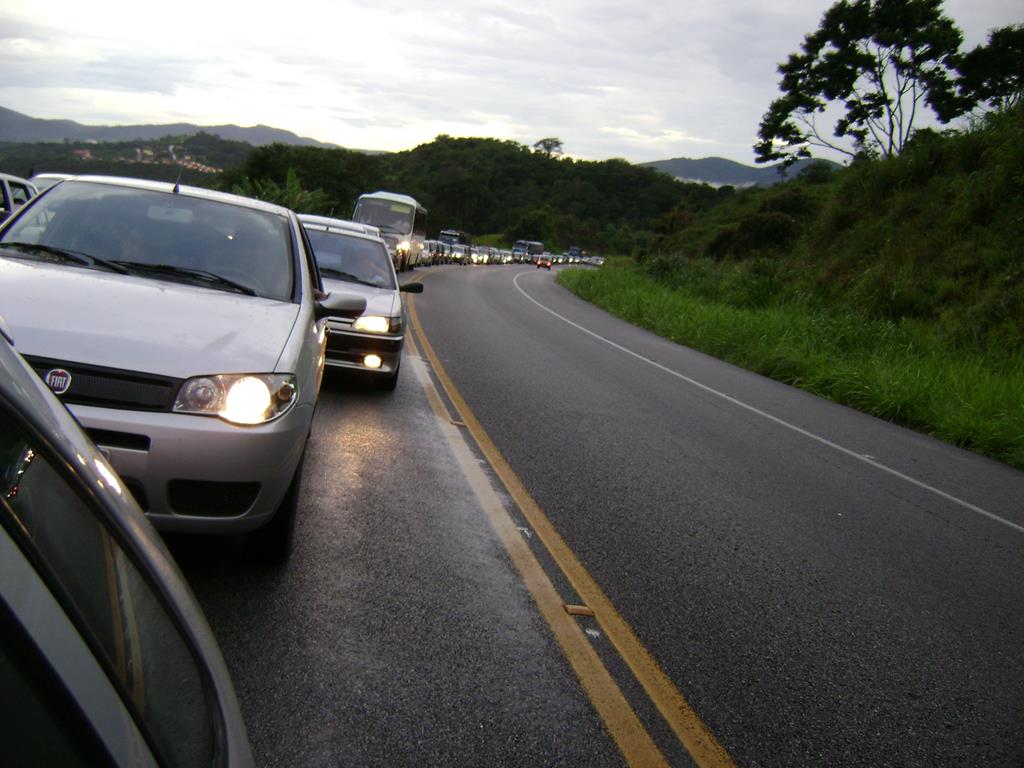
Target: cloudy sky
point(643, 80)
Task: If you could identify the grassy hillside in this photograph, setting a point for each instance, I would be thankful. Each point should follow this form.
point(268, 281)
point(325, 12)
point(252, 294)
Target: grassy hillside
point(896, 287)
point(934, 238)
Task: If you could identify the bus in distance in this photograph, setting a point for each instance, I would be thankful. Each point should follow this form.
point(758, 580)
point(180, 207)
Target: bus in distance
point(527, 250)
point(455, 237)
point(402, 222)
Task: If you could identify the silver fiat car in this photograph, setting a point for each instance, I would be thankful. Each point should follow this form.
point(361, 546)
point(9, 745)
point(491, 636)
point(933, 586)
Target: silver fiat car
point(184, 329)
point(352, 257)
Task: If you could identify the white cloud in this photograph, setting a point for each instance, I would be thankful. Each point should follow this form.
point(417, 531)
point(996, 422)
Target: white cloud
point(643, 81)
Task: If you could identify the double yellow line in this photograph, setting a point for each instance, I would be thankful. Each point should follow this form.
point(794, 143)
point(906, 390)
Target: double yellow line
point(619, 718)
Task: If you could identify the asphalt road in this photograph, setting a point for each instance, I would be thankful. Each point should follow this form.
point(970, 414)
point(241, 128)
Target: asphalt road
point(822, 587)
point(791, 564)
point(398, 634)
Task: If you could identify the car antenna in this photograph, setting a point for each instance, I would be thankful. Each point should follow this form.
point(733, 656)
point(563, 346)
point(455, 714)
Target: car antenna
point(177, 184)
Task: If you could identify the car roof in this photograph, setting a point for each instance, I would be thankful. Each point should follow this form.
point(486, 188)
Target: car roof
point(340, 227)
point(187, 191)
point(396, 197)
point(12, 177)
point(51, 176)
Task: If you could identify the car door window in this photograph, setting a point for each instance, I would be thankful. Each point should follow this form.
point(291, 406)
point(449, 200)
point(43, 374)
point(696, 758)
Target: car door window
point(39, 723)
point(20, 194)
point(113, 605)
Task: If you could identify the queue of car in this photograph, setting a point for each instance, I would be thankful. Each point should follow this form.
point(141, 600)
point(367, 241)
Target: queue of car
point(162, 348)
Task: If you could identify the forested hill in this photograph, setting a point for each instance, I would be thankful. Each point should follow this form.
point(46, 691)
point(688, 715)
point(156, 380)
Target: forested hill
point(718, 171)
point(16, 127)
point(489, 186)
point(196, 159)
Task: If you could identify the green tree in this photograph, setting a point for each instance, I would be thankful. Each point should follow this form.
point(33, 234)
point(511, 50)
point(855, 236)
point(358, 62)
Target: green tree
point(993, 74)
point(291, 195)
point(883, 60)
point(550, 147)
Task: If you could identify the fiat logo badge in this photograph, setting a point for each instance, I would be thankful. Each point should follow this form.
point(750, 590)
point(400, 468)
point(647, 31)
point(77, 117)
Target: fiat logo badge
point(58, 380)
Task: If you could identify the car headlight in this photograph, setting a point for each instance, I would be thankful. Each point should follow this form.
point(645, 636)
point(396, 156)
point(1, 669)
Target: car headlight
point(404, 245)
point(246, 398)
point(377, 324)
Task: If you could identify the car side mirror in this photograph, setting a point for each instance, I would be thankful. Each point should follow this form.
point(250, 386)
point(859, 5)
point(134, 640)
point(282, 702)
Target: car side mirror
point(411, 288)
point(340, 305)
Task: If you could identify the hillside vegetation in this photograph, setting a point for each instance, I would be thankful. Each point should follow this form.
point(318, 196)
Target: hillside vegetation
point(489, 186)
point(198, 158)
point(895, 286)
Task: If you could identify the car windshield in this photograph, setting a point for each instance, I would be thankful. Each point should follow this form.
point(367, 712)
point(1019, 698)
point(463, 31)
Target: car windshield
point(158, 235)
point(356, 259)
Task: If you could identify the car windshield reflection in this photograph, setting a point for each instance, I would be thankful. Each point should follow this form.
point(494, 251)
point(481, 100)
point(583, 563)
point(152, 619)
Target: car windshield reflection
point(159, 236)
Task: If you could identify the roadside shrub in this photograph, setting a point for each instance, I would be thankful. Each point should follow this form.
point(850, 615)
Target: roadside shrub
point(791, 201)
point(883, 294)
point(923, 156)
point(662, 267)
point(723, 244)
point(817, 173)
point(756, 234)
point(766, 231)
point(752, 284)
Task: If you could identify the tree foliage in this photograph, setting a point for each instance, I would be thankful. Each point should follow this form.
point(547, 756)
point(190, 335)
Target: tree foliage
point(993, 74)
point(489, 186)
point(291, 194)
point(883, 61)
point(549, 147)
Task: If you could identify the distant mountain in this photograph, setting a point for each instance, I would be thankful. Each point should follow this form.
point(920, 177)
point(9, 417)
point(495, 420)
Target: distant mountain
point(16, 127)
point(720, 172)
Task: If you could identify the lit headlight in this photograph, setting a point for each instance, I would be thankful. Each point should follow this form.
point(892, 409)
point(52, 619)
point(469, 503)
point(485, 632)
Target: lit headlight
point(377, 324)
point(239, 398)
point(404, 245)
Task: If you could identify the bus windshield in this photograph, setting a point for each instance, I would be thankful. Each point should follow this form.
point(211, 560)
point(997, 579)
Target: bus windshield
point(532, 247)
point(392, 217)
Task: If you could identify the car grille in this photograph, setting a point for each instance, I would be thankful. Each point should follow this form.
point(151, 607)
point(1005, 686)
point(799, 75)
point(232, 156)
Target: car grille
point(339, 344)
point(110, 387)
point(211, 498)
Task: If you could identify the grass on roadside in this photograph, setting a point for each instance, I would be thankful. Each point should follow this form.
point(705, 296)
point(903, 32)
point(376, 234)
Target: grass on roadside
point(972, 399)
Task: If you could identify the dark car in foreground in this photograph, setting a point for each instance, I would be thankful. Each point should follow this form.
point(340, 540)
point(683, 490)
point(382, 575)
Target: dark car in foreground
point(105, 656)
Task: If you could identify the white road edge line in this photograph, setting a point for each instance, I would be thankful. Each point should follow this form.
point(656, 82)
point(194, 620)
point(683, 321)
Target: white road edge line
point(776, 419)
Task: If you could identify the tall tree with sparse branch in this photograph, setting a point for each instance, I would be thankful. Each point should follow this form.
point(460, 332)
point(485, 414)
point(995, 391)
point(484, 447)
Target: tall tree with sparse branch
point(881, 62)
point(552, 147)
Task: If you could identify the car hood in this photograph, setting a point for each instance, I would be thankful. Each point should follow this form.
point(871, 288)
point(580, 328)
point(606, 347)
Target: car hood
point(133, 323)
point(379, 301)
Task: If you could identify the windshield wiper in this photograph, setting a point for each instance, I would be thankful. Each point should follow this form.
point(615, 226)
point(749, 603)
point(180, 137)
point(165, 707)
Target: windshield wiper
point(76, 257)
point(189, 273)
point(347, 276)
point(389, 228)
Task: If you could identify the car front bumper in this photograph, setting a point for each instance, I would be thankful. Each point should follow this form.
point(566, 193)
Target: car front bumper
point(200, 474)
point(348, 349)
